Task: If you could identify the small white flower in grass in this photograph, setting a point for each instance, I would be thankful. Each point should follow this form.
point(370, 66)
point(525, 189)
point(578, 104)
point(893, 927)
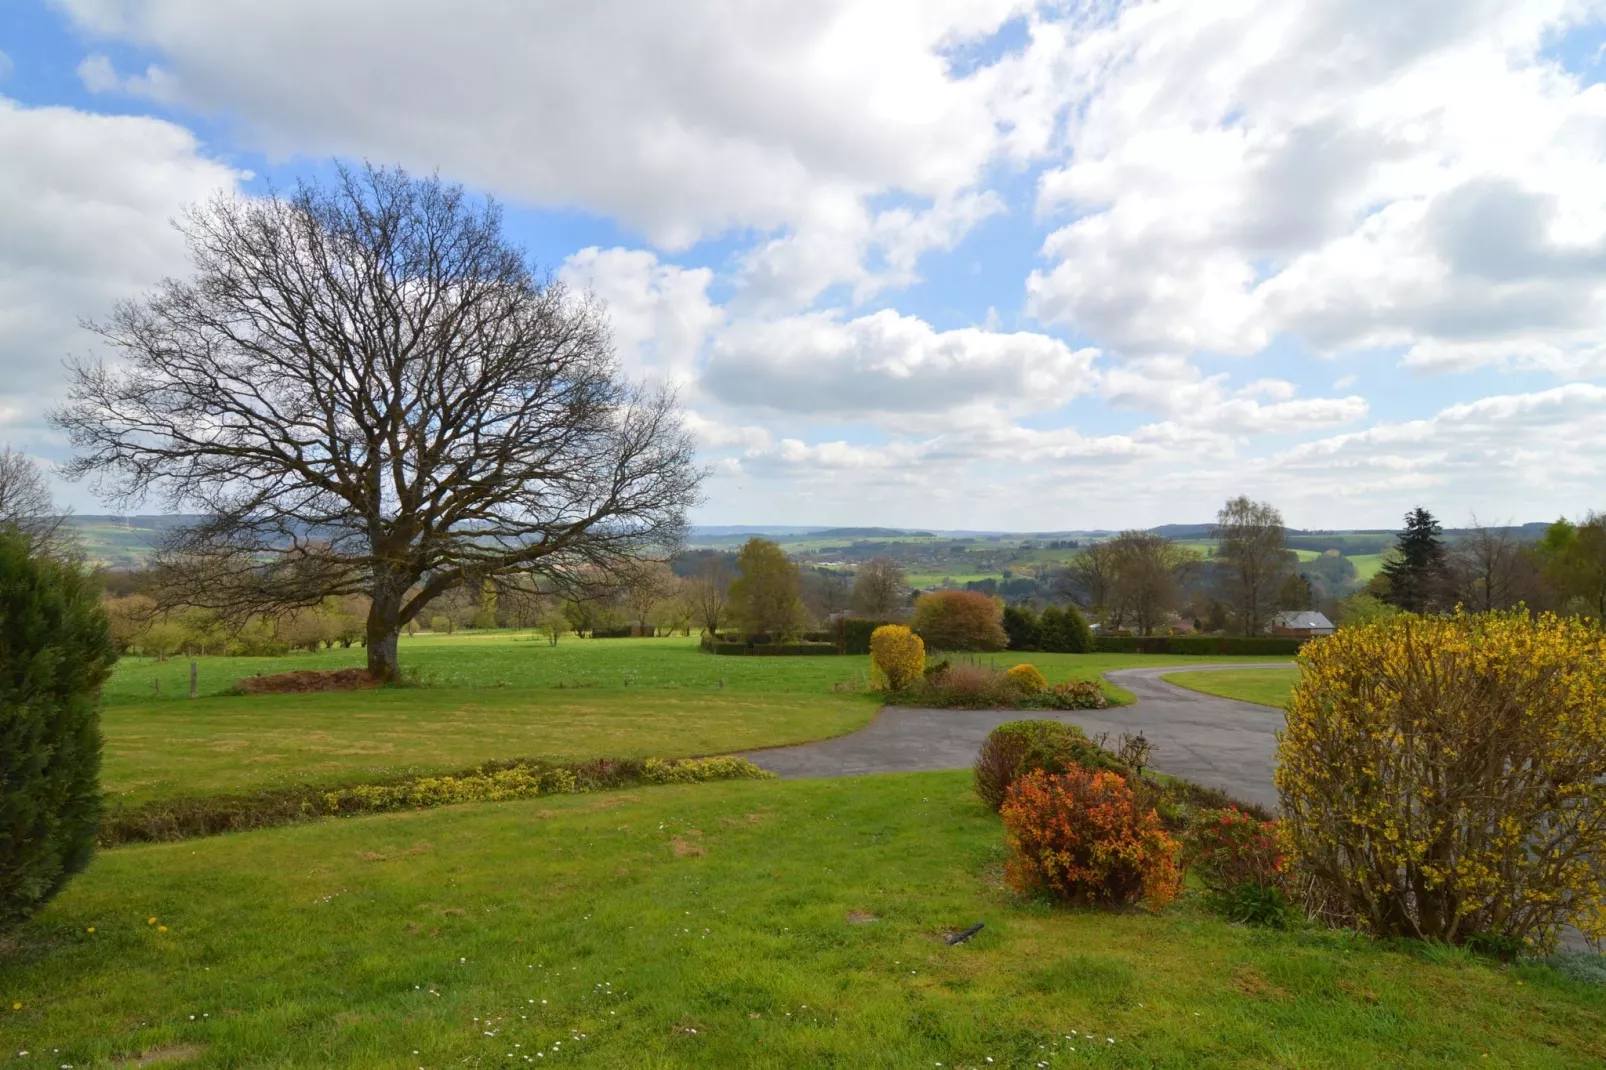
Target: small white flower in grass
point(1110, 1039)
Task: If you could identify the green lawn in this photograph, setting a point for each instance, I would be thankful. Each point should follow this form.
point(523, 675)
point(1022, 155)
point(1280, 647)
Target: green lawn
point(748, 924)
point(493, 695)
point(1269, 687)
point(211, 745)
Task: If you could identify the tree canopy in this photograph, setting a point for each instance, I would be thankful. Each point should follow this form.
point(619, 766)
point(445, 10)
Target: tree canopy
point(1417, 571)
point(365, 388)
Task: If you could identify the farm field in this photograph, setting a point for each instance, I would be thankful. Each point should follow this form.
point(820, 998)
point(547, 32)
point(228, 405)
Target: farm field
point(1268, 687)
point(491, 695)
point(1367, 566)
point(735, 924)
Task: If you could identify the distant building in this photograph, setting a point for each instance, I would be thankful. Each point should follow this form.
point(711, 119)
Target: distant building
point(1301, 624)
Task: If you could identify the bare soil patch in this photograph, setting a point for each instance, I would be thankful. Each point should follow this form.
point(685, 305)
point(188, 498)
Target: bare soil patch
point(304, 681)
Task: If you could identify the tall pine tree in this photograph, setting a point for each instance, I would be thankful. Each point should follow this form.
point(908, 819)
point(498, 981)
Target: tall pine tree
point(1418, 573)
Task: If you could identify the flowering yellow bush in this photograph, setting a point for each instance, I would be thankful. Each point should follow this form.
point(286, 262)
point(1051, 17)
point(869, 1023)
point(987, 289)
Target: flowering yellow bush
point(692, 770)
point(1441, 777)
point(1028, 679)
point(897, 658)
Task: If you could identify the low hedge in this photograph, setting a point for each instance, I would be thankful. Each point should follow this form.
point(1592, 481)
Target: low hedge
point(770, 649)
point(853, 634)
point(181, 819)
point(1271, 646)
point(612, 633)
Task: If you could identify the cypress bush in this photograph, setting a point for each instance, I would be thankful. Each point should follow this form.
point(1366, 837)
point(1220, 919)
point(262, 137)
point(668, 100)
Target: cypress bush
point(55, 653)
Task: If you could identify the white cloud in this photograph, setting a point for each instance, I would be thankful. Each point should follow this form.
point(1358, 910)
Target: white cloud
point(892, 367)
point(84, 204)
point(1429, 178)
point(1177, 390)
point(661, 313)
point(682, 119)
point(837, 247)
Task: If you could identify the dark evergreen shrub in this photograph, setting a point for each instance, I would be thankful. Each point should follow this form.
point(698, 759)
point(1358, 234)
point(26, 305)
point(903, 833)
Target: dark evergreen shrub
point(55, 653)
point(1020, 624)
point(1064, 631)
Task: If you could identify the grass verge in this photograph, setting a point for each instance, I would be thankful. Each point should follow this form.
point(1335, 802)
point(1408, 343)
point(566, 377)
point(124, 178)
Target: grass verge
point(1267, 687)
point(751, 924)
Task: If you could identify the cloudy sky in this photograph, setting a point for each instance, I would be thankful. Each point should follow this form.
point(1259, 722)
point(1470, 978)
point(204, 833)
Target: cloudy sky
point(956, 263)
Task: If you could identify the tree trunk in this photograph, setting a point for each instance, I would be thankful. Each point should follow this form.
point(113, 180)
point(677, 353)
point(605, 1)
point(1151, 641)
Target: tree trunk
point(384, 626)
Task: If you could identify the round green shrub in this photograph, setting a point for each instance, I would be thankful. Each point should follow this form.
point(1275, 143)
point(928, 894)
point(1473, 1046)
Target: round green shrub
point(55, 653)
point(1016, 748)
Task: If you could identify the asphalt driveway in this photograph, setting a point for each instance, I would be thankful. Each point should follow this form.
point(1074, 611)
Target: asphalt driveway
point(1220, 742)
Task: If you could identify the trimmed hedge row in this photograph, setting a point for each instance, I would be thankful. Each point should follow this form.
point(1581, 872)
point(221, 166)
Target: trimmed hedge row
point(769, 649)
point(853, 634)
point(180, 819)
point(1271, 646)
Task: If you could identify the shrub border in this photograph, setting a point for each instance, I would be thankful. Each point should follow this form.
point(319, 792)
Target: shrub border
point(168, 820)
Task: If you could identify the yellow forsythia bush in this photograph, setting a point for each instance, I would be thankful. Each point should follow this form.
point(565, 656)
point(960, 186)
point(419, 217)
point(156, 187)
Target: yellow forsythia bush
point(897, 658)
point(1028, 679)
point(1441, 777)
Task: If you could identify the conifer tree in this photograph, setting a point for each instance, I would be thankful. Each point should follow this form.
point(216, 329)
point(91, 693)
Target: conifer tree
point(1418, 573)
point(55, 653)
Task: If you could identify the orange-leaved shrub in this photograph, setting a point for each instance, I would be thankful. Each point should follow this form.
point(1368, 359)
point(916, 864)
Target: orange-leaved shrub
point(1082, 836)
point(897, 658)
point(960, 620)
point(1442, 777)
point(1028, 679)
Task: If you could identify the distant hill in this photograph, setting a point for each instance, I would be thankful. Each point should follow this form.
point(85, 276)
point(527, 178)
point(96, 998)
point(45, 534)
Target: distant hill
point(869, 533)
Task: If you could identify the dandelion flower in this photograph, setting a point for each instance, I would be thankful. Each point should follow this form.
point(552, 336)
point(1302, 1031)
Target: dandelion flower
point(91, 929)
point(161, 928)
point(150, 921)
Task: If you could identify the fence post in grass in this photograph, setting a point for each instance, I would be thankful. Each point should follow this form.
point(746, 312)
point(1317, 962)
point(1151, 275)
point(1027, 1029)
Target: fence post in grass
point(156, 683)
point(192, 678)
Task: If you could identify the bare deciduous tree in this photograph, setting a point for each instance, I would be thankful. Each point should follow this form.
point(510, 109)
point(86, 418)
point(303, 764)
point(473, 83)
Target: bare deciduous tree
point(1487, 568)
point(708, 593)
point(1148, 572)
point(1090, 577)
point(645, 589)
point(1250, 547)
point(365, 389)
point(880, 589)
point(26, 506)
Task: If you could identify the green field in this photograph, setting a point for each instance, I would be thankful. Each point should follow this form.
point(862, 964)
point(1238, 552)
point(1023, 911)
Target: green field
point(491, 695)
point(753, 924)
point(1367, 566)
point(1268, 687)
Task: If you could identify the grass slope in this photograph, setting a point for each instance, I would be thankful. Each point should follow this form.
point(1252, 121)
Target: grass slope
point(496, 695)
point(711, 926)
point(1268, 687)
point(1367, 566)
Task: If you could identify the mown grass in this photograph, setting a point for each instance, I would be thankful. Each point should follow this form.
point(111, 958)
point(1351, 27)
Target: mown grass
point(714, 926)
point(240, 743)
point(1268, 687)
point(492, 696)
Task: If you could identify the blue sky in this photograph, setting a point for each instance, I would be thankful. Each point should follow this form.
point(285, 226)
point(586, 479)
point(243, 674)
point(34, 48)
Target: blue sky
point(960, 263)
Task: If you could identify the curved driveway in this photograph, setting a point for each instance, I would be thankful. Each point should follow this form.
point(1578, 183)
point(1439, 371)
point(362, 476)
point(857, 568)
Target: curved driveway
point(1220, 742)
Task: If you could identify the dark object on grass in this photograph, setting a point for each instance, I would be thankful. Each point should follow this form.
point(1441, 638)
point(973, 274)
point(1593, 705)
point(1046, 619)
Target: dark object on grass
point(961, 937)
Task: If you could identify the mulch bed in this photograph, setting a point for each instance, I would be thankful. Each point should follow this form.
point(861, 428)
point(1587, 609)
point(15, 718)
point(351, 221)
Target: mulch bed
point(306, 680)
